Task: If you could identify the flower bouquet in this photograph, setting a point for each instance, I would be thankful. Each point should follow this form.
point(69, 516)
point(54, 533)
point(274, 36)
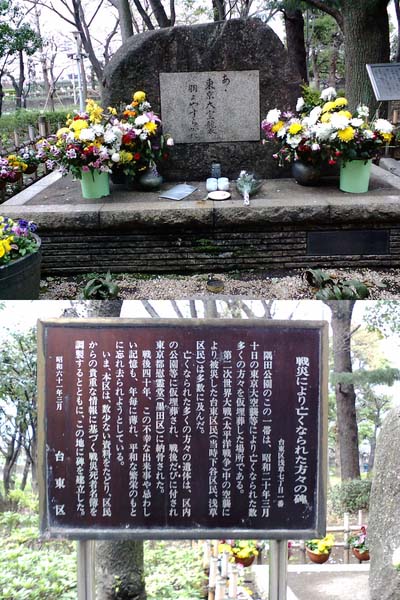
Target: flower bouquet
point(143, 141)
point(319, 550)
point(87, 147)
point(19, 259)
point(359, 544)
point(323, 131)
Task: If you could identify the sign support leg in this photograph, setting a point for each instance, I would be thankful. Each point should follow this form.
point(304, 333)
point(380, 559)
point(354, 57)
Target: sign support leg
point(86, 576)
point(278, 556)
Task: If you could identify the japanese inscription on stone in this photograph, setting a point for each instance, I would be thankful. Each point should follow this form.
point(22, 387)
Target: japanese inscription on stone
point(209, 106)
point(385, 80)
point(192, 426)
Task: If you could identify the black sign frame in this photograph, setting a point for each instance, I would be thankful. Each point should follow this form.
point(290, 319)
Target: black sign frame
point(89, 533)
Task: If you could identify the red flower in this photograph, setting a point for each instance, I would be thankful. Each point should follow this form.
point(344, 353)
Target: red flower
point(338, 153)
point(332, 162)
point(136, 156)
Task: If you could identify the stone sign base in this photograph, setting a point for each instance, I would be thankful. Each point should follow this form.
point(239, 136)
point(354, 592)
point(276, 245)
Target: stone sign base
point(286, 226)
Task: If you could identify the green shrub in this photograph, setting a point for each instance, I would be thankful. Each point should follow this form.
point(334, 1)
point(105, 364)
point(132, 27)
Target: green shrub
point(349, 496)
point(21, 119)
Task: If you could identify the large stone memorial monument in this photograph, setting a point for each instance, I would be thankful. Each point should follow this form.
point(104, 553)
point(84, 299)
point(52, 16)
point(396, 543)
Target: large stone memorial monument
point(213, 84)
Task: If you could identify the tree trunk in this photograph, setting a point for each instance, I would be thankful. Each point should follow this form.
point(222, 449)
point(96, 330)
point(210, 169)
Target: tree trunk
point(25, 474)
point(397, 8)
point(119, 571)
point(159, 13)
point(21, 79)
point(125, 19)
point(119, 565)
point(366, 39)
point(1, 97)
point(294, 26)
point(345, 394)
point(337, 42)
point(219, 10)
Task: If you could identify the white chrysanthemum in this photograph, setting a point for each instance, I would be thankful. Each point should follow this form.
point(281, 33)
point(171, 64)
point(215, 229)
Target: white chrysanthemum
point(109, 136)
point(315, 115)
point(363, 111)
point(328, 93)
point(368, 134)
point(281, 133)
point(98, 130)
point(322, 131)
point(115, 157)
point(339, 121)
point(143, 136)
point(383, 126)
point(87, 135)
point(273, 116)
point(300, 103)
point(141, 120)
point(70, 137)
point(293, 140)
point(145, 105)
point(315, 147)
point(356, 122)
point(396, 558)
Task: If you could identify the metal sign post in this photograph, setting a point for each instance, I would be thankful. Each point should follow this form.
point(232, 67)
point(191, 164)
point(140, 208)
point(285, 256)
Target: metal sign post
point(278, 557)
point(86, 570)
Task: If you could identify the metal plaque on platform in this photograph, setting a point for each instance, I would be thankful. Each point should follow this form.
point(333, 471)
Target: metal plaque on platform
point(385, 80)
point(182, 428)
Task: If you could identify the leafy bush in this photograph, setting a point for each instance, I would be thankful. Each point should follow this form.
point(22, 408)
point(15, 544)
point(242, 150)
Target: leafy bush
point(173, 571)
point(350, 496)
point(21, 119)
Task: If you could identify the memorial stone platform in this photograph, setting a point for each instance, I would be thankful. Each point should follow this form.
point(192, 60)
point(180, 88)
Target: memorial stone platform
point(286, 226)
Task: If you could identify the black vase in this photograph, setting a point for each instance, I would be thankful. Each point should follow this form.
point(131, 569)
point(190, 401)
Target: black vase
point(118, 177)
point(306, 174)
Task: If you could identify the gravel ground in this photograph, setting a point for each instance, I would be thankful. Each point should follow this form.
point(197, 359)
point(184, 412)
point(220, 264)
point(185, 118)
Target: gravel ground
point(381, 284)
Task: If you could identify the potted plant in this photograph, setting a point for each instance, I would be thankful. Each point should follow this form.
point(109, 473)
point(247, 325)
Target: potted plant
point(20, 257)
point(242, 552)
point(359, 544)
point(18, 167)
point(319, 550)
point(30, 158)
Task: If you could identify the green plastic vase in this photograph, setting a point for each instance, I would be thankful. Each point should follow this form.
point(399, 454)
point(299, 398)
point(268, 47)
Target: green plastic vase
point(95, 184)
point(354, 176)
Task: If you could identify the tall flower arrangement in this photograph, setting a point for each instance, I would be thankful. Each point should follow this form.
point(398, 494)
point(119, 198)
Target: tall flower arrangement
point(84, 144)
point(325, 131)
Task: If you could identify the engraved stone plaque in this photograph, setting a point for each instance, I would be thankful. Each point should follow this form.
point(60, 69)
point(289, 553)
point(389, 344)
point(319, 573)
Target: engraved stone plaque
point(385, 80)
point(182, 428)
point(212, 106)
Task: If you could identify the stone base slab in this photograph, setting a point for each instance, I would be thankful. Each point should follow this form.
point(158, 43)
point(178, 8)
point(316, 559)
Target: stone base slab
point(134, 231)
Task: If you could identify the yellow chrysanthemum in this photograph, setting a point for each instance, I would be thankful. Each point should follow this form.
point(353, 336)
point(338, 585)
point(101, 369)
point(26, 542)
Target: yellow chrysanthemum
point(150, 127)
point(345, 113)
point(78, 125)
point(326, 117)
point(139, 97)
point(295, 128)
point(62, 131)
point(112, 111)
point(94, 111)
point(347, 134)
point(277, 126)
point(387, 137)
point(340, 102)
point(328, 106)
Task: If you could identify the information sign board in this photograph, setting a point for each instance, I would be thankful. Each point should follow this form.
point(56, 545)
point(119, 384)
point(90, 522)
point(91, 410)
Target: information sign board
point(385, 80)
point(182, 428)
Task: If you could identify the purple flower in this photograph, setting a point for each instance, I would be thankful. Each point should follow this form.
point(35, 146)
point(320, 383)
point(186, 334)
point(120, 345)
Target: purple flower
point(71, 153)
point(50, 164)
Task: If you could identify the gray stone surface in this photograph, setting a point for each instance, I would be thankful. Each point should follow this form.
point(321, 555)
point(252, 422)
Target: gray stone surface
point(204, 107)
point(384, 512)
point(226, 46)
